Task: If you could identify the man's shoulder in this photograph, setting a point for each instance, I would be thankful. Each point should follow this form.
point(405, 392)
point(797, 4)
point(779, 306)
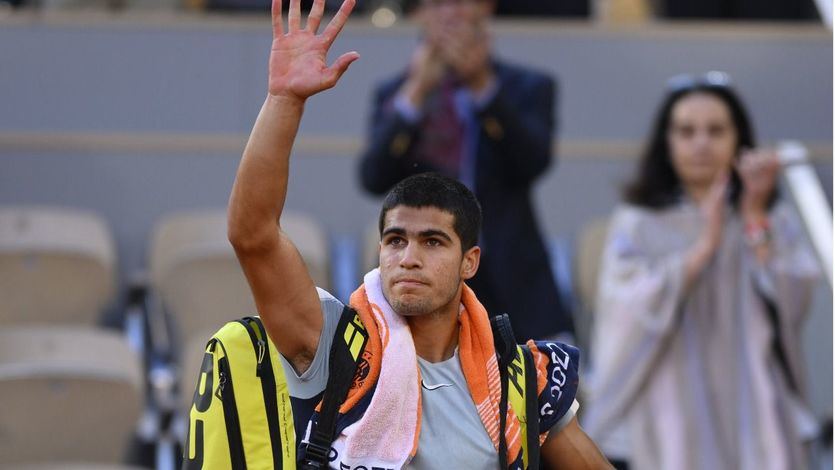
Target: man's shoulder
point(511, 72)
point(327, 299)
point(331, 311)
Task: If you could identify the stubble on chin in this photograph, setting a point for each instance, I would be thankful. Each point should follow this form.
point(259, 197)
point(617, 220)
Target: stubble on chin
point(410, 309)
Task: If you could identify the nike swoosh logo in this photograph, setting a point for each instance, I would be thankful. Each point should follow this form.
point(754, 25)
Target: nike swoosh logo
point(433, 387)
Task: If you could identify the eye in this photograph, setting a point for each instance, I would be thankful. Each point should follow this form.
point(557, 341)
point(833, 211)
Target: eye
point(716, 131)
point(433, 242)
point(684, 131)
point(395, 241)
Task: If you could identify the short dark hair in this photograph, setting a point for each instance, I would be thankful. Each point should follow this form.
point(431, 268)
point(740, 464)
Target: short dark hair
point(441, 192)
point(656, 184)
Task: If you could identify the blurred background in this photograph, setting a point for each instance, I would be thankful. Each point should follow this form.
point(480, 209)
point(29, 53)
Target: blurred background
point(122, 123)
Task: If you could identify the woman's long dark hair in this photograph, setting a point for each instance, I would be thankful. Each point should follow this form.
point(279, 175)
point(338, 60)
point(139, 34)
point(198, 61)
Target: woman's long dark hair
point(656, 184)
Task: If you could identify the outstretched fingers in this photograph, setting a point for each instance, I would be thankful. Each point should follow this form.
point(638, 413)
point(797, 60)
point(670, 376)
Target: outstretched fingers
point(339, 66)
point(337, 22)
point(315, 17)
point(294, 15)
point(278, 27)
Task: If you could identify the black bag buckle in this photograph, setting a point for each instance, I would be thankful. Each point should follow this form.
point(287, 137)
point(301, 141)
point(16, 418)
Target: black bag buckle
point(315, 456)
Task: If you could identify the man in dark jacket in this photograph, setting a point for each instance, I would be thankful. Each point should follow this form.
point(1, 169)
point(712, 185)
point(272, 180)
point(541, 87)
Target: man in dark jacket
point(459, 112)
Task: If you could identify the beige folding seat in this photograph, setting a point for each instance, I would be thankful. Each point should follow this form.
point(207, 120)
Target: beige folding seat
point(200, 282)
point(57, 265)
point(69, 394)
point(189, 373)
point(197, 276)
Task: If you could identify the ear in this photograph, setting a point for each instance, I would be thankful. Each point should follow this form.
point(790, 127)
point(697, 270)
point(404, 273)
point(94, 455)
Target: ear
point(469, 264)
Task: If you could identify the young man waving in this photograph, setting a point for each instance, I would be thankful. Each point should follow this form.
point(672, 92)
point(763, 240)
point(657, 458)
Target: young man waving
point(430, 396)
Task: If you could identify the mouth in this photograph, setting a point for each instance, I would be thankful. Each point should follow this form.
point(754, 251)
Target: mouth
point(409, 282)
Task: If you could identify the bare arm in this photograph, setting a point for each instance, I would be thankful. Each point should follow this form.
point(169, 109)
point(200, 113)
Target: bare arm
point(572, 449)
point(283, 290)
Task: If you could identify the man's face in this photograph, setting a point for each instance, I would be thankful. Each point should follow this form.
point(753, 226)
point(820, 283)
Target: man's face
point(436, 15)
point(421, 263)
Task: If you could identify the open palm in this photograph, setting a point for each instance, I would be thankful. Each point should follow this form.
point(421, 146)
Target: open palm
point(298, 59)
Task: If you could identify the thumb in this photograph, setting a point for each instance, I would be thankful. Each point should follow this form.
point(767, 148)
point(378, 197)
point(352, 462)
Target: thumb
point(339, 66)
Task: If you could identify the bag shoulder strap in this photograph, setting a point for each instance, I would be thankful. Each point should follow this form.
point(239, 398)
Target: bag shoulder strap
point(506, 351)
point(346, 352)
point(531, 408)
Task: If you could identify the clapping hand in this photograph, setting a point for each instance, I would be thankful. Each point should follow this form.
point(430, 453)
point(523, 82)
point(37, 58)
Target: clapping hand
point(758, 170)
point(425, 73)
point(298, 60)
point(712, 207)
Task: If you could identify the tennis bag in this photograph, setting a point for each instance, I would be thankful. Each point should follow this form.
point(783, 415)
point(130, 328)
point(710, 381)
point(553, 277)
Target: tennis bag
point(241, 415)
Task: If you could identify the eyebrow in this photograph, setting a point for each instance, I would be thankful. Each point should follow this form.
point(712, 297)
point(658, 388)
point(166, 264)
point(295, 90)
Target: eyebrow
point(423, 234)
point(435, 233)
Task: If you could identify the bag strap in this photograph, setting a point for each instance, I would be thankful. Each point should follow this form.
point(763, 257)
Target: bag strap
point(531, 409)
point(505, 345)
point(343, 366)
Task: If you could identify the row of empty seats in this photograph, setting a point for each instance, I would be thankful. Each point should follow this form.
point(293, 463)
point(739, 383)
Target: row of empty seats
point(72, 391)
point(81, 392)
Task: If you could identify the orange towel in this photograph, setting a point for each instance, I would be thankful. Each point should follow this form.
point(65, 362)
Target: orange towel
point(478, 362)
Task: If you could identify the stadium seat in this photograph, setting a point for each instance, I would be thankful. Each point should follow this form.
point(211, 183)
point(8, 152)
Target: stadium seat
point(197, 276)
point(57, 265)
point(70, 394)
point(195, 273)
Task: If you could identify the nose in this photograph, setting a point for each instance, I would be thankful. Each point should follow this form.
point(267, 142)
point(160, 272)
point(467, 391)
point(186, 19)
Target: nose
point(410, 257)
point(701, 141)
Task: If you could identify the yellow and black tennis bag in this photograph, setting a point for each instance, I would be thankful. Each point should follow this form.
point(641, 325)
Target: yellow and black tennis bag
point(242, 416)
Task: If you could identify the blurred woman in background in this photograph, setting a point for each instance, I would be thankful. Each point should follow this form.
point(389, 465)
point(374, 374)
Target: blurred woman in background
point(705, 282)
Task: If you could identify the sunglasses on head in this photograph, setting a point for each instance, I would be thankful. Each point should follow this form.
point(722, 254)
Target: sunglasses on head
point(686, 81)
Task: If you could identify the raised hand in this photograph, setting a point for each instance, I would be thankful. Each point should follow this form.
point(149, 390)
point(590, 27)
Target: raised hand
point(702, 251)
point(713, 211)
point(281, 285)
point(298, 59)
point(758, 170)
point(425, 73)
